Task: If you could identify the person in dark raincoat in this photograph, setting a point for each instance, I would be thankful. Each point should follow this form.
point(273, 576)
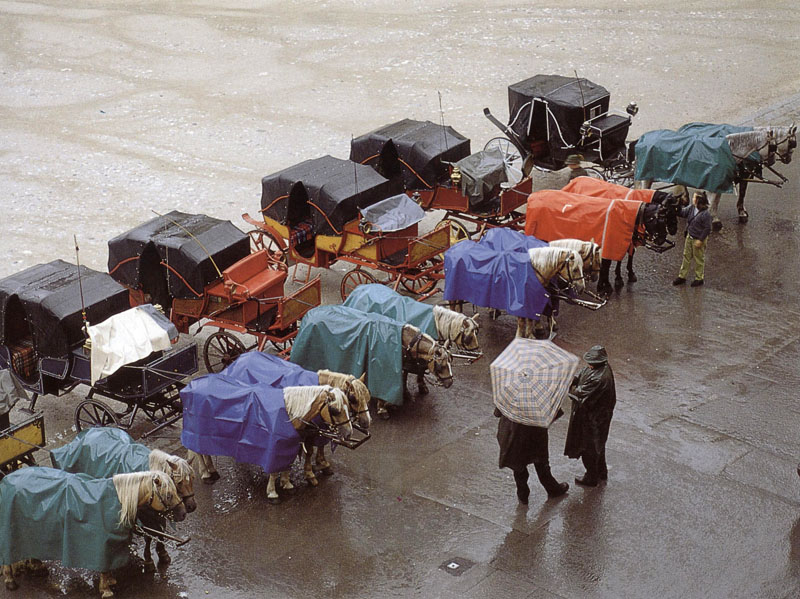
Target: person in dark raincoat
point(593, 398)
point(520, 445)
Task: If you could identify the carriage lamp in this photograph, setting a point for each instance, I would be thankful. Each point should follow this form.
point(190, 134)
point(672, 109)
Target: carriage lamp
point(632, 109)
point(455, 176)
point(416, 197)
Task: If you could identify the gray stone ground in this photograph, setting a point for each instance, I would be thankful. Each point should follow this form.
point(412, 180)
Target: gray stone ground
point(110, 111)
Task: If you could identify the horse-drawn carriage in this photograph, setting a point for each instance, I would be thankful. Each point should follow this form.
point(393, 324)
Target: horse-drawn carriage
point(436, 168)
point(201, 269)
point(311, 216)
point(551, 117)
point(44, 313)
point(715, 158)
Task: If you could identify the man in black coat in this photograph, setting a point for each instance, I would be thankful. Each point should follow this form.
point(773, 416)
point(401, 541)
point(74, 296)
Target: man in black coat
point(520, 445)
point(594, 396)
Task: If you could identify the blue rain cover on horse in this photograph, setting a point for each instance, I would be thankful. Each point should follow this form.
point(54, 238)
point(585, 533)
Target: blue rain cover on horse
point(239, 417)
point(50, 514)
point(345, 340)
point(258, 368)
point(380, 299)
point(102, 452)
point(496, 273)
point(696, 155)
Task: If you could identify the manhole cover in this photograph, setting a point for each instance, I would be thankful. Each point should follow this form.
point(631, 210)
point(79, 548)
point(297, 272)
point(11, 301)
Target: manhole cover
point(456, 566)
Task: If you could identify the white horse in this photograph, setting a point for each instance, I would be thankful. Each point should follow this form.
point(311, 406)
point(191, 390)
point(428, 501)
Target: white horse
point(133, 490)
point(591, 254)
point(550, 263)
point(457, 328)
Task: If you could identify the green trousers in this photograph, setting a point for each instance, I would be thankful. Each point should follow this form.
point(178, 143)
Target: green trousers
point(699, 255)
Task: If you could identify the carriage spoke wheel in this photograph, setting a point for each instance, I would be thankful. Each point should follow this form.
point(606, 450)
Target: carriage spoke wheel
point(221, 348)
point(353, 279)
point(458, 232)
point(419, 285)
point(91, 412)
point(595, 173)
point(511, 157)
point(261, 240)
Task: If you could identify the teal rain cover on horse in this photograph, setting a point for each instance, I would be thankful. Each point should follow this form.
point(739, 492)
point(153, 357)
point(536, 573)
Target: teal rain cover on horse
point(102, 452)
point(50, 514)
point(354, 342)
point(696, 155)
point(380, 299)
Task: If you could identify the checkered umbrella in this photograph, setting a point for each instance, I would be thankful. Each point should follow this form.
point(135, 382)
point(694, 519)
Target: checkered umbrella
point(530, 379)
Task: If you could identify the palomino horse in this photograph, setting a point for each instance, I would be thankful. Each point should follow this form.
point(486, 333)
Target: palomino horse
point(70, 529)
point(457, 328)
point(563, 264)
point(590, 253)
point(102, 452)
point(304, 404)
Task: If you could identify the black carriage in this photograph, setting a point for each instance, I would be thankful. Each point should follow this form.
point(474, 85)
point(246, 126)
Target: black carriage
point(434, 164)
point(44, 311)
point(551, 117)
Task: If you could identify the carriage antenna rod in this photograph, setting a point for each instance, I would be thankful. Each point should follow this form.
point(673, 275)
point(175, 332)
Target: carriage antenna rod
point(583, 100)
point(189, 233)
point(80, 284)
point(441, 116)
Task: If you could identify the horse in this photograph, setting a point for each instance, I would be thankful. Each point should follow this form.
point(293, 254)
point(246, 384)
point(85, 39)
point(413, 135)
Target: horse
point(304, 404)
point(93, 535)
point(457, 328)
point(590, 252)
point(102, 452)
point(550, 263)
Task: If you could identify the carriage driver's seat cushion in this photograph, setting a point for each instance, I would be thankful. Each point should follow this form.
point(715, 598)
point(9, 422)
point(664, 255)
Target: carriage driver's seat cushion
point(254, 276)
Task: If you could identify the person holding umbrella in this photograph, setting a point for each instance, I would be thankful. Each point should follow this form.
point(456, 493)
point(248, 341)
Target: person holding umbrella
point(530, 378)
point(593, 396)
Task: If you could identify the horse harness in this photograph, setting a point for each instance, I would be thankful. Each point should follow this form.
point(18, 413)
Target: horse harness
point(420, 362)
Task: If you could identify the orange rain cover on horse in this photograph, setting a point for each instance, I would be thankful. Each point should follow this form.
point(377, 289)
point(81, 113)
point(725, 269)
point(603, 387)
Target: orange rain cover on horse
point(597, 188)
point(554, 214)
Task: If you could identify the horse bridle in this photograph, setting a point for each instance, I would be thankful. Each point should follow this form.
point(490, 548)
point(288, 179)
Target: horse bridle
point(414, 344)
point(169, 510)
point(569, 279)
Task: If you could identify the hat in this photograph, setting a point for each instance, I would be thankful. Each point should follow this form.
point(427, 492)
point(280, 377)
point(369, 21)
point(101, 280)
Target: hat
point(702, 199)
point(596, 356)
point(573, 159)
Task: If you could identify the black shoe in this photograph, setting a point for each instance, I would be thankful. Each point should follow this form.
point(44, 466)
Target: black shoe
point(586, 482)
point(603, 476)
point(558, 491)
point(523, 493)
point(679, 281)
point(696, 283)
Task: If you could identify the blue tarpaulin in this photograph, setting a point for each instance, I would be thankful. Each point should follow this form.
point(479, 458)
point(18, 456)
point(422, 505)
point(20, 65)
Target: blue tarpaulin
point(102, 452)
point(496, 273)
point(354, 342)
point(50, 514)
point(696, 155)
point(380, 299)
point(237, 413)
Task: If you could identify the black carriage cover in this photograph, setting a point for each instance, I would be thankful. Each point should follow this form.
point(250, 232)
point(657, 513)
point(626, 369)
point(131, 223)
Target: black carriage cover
point(191, 244)
point(339, 188)
point(481, 175)
point(571, 101)
point(49, 296)
point(422, 145)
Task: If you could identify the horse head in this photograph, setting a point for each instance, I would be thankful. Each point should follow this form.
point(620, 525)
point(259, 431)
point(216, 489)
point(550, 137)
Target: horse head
point(659, 220)
point(335, 412)
point(460, 329)
point(553, 261)
point(358, 397)
point(182, 474)
point(590, 252)
point(468, 338)
point(438, 359)
point(152, 489)
point(785, 142)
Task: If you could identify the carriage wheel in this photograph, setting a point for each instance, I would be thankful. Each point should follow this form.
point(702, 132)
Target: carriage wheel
point(419, 285)
point(261, 240)
point(353, 279)
point(221, 348)
point(595, 173)
point(511, 157)
point(91, 412)
point(458, 232)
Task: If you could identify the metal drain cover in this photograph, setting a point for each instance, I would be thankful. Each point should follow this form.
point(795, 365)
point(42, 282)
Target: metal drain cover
point(456, 566)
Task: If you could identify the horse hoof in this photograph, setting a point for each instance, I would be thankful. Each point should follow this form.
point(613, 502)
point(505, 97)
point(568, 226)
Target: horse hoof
point(618, 284)
point(274, 500)
point(422, 391)
point(149, 566)
point(383, 415)
point(632, 278)
point(327, 471)
point(312, 481)
point(164, 560)
point(716, 225)
point(743, 218)
point(210, 481)
point(12, 585)
point(107, 594)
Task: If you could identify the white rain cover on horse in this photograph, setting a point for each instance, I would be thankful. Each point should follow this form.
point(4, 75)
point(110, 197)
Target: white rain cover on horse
point(530, 380)
point(126, 338)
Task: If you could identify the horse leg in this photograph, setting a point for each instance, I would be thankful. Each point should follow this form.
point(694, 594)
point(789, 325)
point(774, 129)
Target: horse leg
point(272, 493)
point(149, 564)
point(308, 471)
point(743, 216)
point(422, 388)
point(105, 585)
point(716, 223)
point(205, 467)
point(632, 278)
point(8, 578)
point(603, 286)
point(164, 559)
point(323, 464)
point(521, 326)
point(618, 282)
point(383, 411)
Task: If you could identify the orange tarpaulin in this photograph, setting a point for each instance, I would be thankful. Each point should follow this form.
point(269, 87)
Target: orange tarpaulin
point(597, 188)
point(553, 214)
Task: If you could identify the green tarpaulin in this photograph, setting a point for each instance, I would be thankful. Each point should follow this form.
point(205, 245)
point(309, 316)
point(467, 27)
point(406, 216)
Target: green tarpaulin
point(380, 299)
point(102, 452)
point(50, 514)
point(353, 342)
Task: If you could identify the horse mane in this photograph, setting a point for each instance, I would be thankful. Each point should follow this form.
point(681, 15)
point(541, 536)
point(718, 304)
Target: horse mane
point(340, 381)
point(745, 143)
point(424, 337)
point(299, 400)
point(546, 259)
point(448, 322)
point(162, 462)
point(586, 249)
point(127, 487)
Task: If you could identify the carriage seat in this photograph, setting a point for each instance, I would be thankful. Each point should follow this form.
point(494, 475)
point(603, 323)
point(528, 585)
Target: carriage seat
point(23, 357)
point(254, 276)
